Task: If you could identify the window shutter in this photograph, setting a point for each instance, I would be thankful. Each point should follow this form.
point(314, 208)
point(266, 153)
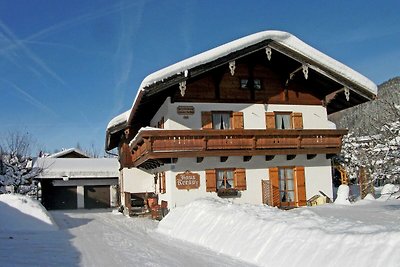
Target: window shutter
point(211, 181)
point(297, 120)
point(240, 179)
point(206, 120)
point(238, 120)
point(301, 186)
point(274, 180)
point(162, 183)
point(270, 120)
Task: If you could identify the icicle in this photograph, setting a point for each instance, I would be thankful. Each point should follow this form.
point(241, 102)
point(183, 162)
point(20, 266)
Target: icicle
point(268, 51)
point(186, 73)
point(232, 67)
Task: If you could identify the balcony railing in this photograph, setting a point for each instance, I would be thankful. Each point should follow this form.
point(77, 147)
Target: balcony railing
point(158, 144)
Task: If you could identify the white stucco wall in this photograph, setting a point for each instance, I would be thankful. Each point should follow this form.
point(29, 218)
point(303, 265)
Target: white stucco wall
point(314, 117)
point(136, 180)
point(317, 174)
point(317, 171)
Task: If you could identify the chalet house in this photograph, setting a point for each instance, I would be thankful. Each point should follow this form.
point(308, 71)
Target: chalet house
point(247, 120)
point(71, 180)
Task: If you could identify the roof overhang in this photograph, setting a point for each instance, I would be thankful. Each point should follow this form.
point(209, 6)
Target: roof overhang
point(282, 42)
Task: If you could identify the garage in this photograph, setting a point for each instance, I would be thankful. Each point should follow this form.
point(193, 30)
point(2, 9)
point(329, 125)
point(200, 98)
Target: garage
point(59, 197)
point(97, 196)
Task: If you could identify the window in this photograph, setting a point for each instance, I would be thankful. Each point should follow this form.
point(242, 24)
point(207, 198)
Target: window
point(283, 121)
point(286, 186)
point(224, 179)
point(247, 84)
point(221, 120)
point(220, 179)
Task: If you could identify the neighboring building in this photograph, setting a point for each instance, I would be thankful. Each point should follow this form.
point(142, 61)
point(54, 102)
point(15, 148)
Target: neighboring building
point(71, 180)
point(246, 120)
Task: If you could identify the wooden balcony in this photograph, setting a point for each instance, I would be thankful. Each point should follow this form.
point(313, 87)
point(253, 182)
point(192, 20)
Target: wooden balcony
point(169, 144)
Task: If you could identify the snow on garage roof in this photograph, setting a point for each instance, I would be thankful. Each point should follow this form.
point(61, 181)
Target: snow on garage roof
point(78, 167)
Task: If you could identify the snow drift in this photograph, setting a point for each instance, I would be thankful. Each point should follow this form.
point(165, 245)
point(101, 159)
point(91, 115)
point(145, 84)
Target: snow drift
point(20, 213)
point(268, 236)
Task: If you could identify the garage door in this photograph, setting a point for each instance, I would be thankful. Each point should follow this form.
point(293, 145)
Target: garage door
point(60, 197)
point(97, 196)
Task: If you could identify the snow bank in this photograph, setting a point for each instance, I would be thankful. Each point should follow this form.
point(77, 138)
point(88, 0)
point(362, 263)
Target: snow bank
point(268, 236)
point(20, 213)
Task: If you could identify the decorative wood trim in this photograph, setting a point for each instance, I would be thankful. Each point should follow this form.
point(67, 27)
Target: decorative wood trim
point(166, 144)
point(290, 157)
point(311, 156)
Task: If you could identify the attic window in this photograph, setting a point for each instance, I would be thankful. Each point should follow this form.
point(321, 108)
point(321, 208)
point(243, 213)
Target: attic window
point(247, 84)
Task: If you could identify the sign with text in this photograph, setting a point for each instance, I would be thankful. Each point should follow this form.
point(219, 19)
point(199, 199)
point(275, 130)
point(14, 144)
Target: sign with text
point(187, 180)
point(185, 110)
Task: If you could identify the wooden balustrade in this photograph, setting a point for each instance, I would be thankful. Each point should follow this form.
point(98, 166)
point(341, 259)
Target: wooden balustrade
point(195, 143)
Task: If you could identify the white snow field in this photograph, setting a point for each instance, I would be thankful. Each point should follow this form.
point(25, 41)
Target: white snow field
point(207, 232)
point(362, 234)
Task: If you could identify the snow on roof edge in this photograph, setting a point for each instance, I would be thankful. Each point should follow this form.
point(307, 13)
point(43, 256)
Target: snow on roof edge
point(284, 38)
point(69, 150)
point(119, 119)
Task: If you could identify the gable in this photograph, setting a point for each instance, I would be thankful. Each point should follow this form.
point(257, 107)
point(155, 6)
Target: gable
point(278, 57)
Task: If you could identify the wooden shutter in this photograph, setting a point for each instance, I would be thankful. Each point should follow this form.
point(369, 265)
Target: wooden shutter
point(274, 180)
point(238, 120)
point(240, 179)
point(211, 181)
point(301, 186)
point(297, 120)
point(270, 120)
point(161, 177)
point(206, 120)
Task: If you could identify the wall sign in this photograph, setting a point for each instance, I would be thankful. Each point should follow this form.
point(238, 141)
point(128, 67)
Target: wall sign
point(185, 110)
point(187, 180)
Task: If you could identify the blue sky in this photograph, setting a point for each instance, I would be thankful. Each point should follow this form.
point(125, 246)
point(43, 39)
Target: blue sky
point(68, 67)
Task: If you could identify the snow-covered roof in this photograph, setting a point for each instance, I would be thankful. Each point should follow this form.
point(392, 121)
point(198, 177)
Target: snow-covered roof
point(279, 40)
point(283, 38)
point(68, 151)
point(119, 120)
point(78, 167)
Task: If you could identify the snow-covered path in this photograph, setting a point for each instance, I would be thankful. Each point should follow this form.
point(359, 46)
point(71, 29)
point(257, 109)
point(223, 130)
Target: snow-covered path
point(106, 239)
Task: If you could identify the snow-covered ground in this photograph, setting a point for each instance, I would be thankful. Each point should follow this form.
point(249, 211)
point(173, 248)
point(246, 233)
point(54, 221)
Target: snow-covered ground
point(207, 232)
